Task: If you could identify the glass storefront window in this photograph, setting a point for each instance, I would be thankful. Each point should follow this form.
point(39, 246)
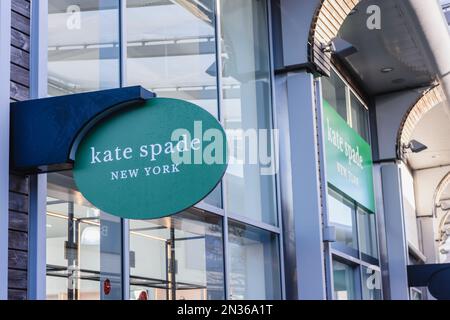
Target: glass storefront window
point(415, 294)
point(254, 263)
point(342, 217)
point(341, 97)
point(360, 117)
point(247, 105)
point(83, 46)
point(180, 257)
point(350, 284)
point(355, 227)
point(367, 233)
point(171, 50)
point(83, 245)
point(334, 92)
point(356, 238)
point(345, 280)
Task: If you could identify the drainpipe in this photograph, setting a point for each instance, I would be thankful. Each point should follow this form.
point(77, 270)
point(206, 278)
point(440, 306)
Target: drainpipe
point(434, 26)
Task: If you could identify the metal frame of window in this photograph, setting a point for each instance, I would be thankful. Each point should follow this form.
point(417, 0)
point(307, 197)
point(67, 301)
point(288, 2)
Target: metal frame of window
point(335, 252)
point(351, 204)
point(350, 88)
point(277, 177)
point(348, 91)
point(351, 258)
point(348, 102)
point(123, 82)
point(38, 182)
point(123, 43)
point(218, 34)
point(358, 264)
point(328, 259)
point(356, 270)
point(341, 252)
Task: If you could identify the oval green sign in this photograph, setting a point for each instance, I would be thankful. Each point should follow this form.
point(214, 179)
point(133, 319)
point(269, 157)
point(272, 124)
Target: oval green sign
point(151, 160)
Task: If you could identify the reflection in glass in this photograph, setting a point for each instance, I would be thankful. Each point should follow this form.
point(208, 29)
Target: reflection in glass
point(254, 263)
point(342, 217)
point(247, 105)
point(344, 281)
point(83, 46)
point(367, 233)
point(415, 294)
point(360, 117)
point(371, 284)
point(83, 245)
point(334, 92)
point(171, 50)
point(180, 257)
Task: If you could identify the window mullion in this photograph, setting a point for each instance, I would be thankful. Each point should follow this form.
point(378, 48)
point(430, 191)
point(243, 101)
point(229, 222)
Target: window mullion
point(122, 43)
point(222, 121)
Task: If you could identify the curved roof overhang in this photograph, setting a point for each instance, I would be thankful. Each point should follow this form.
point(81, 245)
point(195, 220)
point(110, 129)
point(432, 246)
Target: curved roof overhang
point(398, 45)
point(412, 42)
point(432, 98)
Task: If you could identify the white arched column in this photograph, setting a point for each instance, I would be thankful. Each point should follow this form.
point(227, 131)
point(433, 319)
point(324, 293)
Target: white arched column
point(426, 183)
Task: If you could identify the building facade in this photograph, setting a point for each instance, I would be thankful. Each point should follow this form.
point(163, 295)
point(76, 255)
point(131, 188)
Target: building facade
point(345, 94)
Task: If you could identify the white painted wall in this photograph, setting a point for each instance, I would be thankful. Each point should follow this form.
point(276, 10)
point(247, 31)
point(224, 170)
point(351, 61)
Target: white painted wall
point(425, 184)
point(428, 229)
point(409, 206)
point(391, 109)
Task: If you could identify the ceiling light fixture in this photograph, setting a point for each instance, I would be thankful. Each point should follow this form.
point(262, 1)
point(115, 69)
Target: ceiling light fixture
point(398, 81)
point(387, 69)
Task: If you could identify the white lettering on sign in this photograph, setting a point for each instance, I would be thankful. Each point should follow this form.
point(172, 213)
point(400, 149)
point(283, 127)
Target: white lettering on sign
point(151, 151)
point(173, 154)
point(341, 169)
point(347, 174)
point(148, 171)
point(339, 142)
